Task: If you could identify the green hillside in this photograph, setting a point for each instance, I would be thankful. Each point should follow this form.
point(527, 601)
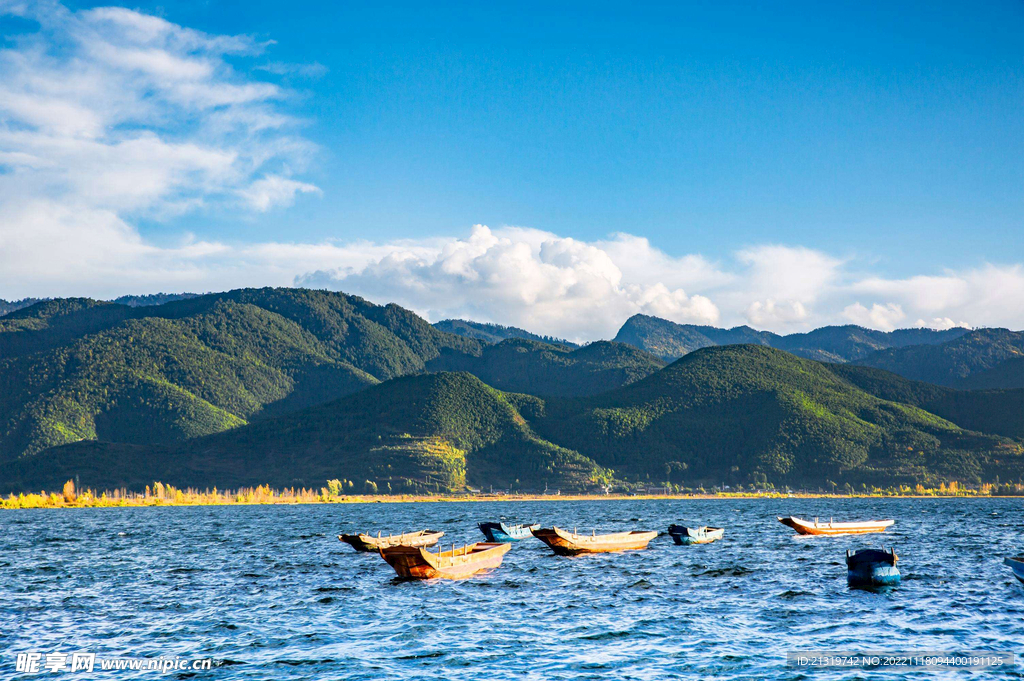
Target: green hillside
point(524, 366)
point(671, 341)
point(746, 413)
point(295, 386)
point(1000, 412)
point(82, 369)
point(951, 363)
point(431, 432)
point(494, 333)
point(1006, 374)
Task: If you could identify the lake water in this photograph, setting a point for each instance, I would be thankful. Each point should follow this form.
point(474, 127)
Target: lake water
point(268, 592)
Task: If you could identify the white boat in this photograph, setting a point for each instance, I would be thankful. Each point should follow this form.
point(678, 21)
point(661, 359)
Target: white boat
point(833, 528)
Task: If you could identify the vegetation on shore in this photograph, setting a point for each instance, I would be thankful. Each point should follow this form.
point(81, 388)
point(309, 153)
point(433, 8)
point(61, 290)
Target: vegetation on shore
point(159, 494)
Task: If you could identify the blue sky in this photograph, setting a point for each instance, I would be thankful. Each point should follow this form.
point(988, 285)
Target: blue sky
point(879, 146)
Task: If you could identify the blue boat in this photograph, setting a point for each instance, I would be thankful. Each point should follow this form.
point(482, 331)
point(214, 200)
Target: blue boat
point(1017, 565)
point(702, 535)
point(872, 568)
point(500, 532)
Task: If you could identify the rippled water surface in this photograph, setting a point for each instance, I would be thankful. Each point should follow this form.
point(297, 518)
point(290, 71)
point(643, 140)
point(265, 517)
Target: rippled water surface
point(269, 591)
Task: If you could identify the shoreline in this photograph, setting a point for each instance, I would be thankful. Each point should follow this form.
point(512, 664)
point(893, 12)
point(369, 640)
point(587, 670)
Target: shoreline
point(198, 499)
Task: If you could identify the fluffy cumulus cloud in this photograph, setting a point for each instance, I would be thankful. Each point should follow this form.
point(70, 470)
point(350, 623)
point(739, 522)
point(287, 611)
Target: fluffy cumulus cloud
point(883, 317)
point(585, 290)
point(522, 277)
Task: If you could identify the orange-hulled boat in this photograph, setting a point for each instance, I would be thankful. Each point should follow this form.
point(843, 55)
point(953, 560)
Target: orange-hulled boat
point(833, 528)
point(567, 543)
point(367, 542)
point(415, 562)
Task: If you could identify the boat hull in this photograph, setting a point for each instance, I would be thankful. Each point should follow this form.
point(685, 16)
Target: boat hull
point(833, 529)
point(570, 544)
point(686, 536)
point(412, 562)
point(500, 532)
point(873, 575)
point(870, 568)
point(1017, 565)
point(367, 543)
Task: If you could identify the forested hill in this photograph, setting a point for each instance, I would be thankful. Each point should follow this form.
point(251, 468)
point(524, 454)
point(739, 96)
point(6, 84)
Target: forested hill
point(670, 341)
point(254, 382)
point(958, 362)
point(495, 333)
point(436, 432)
point(734, 415)
point(743, 412)
point(540, 369)
point(82, 369)
point(1006, 374)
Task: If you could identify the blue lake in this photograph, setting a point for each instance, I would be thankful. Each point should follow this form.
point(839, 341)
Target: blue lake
point(268, 592)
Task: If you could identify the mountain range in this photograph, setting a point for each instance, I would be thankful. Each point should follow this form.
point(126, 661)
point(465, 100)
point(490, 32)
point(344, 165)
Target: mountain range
point(294, 386)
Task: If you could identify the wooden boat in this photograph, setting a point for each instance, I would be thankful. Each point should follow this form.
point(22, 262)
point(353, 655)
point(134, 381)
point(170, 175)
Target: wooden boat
point(872, 568)
point(701, 535)
point(1017, 565)
point(416, 562)
point(566, 543)
point(834, 528)
point(366, 542)
point(502, 532)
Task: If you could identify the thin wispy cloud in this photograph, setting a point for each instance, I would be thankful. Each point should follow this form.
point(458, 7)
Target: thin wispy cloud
point(108, 115)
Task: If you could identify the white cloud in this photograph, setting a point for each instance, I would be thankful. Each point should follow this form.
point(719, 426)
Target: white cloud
point(990, 295)
point(882, 317)
point(108, 115)
point(314, 70)
point(941, 323)
point(517, 276)
point(787, 273)
point(274, 190)
point(775, 314)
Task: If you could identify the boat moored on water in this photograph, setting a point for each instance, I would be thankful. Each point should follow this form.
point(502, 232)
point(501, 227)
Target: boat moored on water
point(872, 568)
point(416, 562)
point(816, 527)
point(367, 542)
point(1017, 565)
point(567, 543)
point(503, 532)
point(701, 535)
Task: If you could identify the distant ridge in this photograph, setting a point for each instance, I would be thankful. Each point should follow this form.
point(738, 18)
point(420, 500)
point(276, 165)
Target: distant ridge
point(971, 361)
point(671, 341)
point(8, 306)
point(495, 333)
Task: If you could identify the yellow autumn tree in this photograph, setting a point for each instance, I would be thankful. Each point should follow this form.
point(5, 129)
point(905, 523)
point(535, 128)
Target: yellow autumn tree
point(69, 492)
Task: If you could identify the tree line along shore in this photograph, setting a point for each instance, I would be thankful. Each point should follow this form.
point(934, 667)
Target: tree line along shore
point(159, 494)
